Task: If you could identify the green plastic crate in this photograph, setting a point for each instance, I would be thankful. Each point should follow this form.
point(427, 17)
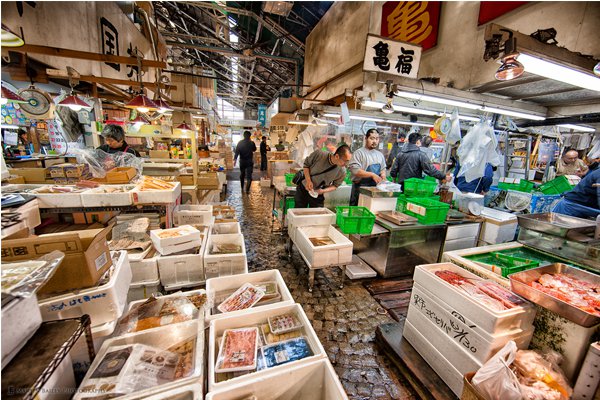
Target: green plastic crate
point(401, 204)
point(288, 180)
point(556, 186)
point(289, 203)
point(507, 264)
point(348, 179)
point(427, 210)
point(415, 187)
point(353, 220)
point(523, 186)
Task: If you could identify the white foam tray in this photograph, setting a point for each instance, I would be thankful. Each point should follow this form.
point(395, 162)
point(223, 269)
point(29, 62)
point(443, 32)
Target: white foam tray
point(321, 256)
point(358, 269)
point(96, 198)
point(487, 319)
point(187, 233)
point(177, 294)
point(253, 318)
point(20, 319)
point(315, 381)
point(216, 265)
point(156, 196)
point(103, 303)
point(193, 214)
point(189, 391)
point(234, 282)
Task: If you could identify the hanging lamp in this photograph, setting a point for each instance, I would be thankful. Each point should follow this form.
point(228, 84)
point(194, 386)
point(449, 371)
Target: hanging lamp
point(10, 39)
point(141, 102)
point(73, 101)
point(510, 68)
point(8, 96)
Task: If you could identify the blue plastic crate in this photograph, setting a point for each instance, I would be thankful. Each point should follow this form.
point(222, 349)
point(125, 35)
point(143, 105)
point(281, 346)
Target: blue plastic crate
point(542, 203)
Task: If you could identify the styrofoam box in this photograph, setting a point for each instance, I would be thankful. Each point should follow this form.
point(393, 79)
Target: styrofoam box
point(225, 228)
point(587, 382)
point(192, 214)
point(79, 352)
point(321, 256)
point(96, 197)
point(61, 384)
point(216, 265)
point(462, 231)
point(297, 217)
point(358, 269)
point(178, 248)
point(20, 319)
point(316, 381)
point(178, 294)
point(157, 196)
point(458, 244)
point(140, 291)
point(444, 368)
point(186, 233)
point(253, 318)
point(376, 204)
point(189, 391)
point(459, 329)
point(163, 337)
point(59, 200)
point(499, 226)
point(103, 303)
point(232, 283)
point(489, 320)
point(183, 269)
point(145, 270)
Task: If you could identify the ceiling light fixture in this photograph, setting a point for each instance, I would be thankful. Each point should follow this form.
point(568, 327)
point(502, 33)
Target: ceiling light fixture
point(163, 106)
point(397, 122)
point(185, 127)
point(579, 128)
point(511, 113)
point(74, 102)
point(8, 96)
point(10, 39)
point(140, 102)
point(361, 118)
point(510, 68)
point(331, 115)
point(294, 122)
point(547, 69)
point(433, 99)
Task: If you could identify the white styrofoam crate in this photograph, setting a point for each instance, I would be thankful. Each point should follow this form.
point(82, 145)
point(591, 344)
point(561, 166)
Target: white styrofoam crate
point(297, 217)
point(145, 270)
point(60, 384)
point(141, 291)
point(178, 248)
point(59, 200)
point(253, 318)
point(168, 296)
point(444, 368)
point(376, 204)
point(230, 284)
point(316, 381)
point(489, 320)
point(225, 228)
point(103, 303)
point(458, 328)
point(20, 319)
point(587, 383)
point(185, 234)
point(183, 269)
point(216, 265)
point(458, 244)
point(163, 337)
point(189, 391)
point(96, 197)
point(320, 256)
point(358, 269)
point(461, 231)
point(499, 226)
point(157, 196)
point(193, 214)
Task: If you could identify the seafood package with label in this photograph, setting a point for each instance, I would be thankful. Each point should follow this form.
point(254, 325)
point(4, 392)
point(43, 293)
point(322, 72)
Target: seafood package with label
point(288, 351)
point(284, 323)
point(243, 298)
point(238, 350)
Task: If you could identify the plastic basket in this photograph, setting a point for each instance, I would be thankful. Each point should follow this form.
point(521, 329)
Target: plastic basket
point(541, 203)
point(556, 186)
point(507, 264)
point(523, 186)
point(288, 180)
point(401, 204)
point(289, 203)
point(415, 187)
point(348, 178)
point(353, 220)
point(427, 210)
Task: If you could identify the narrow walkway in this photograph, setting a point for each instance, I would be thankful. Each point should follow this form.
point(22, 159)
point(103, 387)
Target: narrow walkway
point(344, 319)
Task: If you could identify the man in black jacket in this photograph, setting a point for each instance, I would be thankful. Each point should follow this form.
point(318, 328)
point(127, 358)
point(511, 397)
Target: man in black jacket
point(244, 150)
point(264, 147)
point(412, 162)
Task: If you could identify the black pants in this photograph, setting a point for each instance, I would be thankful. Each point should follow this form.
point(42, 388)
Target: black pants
point(305, 200)
point(246, 172)
point(356, 191)
point(263, 162)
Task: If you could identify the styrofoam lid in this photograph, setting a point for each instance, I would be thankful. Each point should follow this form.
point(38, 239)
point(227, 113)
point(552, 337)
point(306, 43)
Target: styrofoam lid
point(497, 214)
point(359, 271)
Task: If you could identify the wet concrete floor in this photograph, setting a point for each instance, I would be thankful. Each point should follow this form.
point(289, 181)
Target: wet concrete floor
point(344, 319)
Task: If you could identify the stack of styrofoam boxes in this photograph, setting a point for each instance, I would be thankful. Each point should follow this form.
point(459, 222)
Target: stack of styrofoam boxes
point(340, 252)
point(184, 269)
point(300, 217)
point(145, 280)
point(175, 240)
point(104, 304)
point(193, 214)
point(216, 265)
point(454, 332)
point(225, 228)
point(499, 226)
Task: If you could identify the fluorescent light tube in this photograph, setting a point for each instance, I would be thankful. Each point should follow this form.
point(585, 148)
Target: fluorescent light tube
point(558, 72)
point(356, 117)
point(298, 122)
point(463, 117)
point(377, 104)
point(512, 113)
point(439, 100)
point(579, 128)
point(330, 115)
point(393, 121)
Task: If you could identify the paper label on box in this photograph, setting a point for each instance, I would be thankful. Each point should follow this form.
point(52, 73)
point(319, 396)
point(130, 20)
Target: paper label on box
point(416, 209)
point(281, 356)
point(100, 261)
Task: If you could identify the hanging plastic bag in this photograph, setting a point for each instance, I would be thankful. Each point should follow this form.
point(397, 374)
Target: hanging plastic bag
point(495, 380)
point(100, 161)
point(454, 135)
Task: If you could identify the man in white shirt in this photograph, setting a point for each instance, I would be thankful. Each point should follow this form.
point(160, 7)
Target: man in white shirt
point(367, 166)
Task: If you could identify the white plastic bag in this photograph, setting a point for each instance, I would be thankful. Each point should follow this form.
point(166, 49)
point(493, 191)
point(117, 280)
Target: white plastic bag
point(454, 135)
point(495, 380)
point(477, 148)
point(100, 161)
point(387, 186)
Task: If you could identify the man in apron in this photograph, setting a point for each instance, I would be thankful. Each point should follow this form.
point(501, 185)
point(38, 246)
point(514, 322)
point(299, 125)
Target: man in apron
point(367, 166)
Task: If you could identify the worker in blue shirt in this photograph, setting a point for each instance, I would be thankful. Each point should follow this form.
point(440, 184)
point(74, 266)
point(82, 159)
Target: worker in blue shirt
point(479, 186)
point(584, 200)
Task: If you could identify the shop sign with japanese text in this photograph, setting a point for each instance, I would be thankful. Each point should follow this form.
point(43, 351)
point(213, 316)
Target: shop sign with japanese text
point(392, 57)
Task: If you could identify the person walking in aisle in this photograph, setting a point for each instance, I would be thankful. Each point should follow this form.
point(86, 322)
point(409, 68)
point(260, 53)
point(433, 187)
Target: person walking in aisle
point(412, 162)
point(244, 150)
point(264, 147)
point(367, 166)
point(323, 172)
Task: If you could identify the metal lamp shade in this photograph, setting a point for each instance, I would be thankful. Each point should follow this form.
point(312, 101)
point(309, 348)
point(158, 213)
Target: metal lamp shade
point(510, 69)
point(142, 104)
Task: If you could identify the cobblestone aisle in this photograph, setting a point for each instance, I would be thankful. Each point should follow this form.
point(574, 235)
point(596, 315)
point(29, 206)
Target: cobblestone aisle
point(344, 319)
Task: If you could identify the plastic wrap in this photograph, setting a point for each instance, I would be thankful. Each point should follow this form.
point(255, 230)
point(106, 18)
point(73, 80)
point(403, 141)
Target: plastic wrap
point(387, 186)
point(25, 277)
point(157, 312)
point(540, 377)
point(243, 298)
point(100, 161)
point(238, 350)
point(477, 148)
point(454, 135)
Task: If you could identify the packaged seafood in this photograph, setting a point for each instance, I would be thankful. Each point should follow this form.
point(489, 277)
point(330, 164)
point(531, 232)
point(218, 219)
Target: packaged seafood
point(279, 324)
point(270, 338)
point(173, 236)
point(285, 352)
point(238, 350)
point(243, 298)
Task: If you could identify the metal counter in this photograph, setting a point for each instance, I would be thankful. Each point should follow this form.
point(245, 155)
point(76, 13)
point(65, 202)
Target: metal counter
point(394, 250)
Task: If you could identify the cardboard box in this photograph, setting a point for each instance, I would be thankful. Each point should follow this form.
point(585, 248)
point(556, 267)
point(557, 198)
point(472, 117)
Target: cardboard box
point(31, 175)
point(76, 170)
point(208, 180)
point(159, 154)
point(92, 217)
point(120, 175)
point(57, 171)
point(87, 257)
point(186, 179)
point(16, 180)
